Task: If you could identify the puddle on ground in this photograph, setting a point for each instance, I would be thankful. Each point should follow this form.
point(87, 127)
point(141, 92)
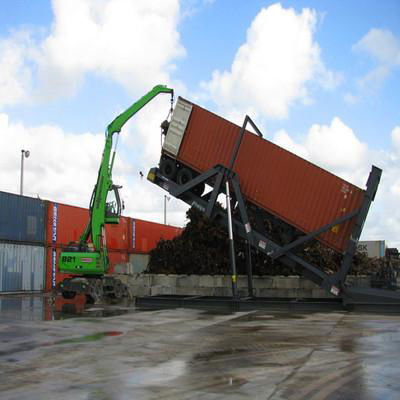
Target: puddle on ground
point(90, 338)
point(45, 308)
point(28, 346)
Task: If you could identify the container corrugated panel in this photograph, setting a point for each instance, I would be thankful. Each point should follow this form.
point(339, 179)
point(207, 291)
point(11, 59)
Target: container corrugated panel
point(119, 261)
point(208, 140)
point(22, 219)
point(21, 267)
point(66, 224)
point(297, 191)
point(146, 235)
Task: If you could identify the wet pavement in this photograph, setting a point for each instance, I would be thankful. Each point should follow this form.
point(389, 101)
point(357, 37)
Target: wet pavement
point(114, 351)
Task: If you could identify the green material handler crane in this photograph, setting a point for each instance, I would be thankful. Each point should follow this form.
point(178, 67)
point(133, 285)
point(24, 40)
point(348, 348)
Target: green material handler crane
point(87, 260)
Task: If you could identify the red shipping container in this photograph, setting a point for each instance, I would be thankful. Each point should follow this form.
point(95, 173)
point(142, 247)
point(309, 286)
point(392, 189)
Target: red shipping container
point(53, 275)
point(297, 191)
point(117, 258)
point(146, 235)
point(66, 224)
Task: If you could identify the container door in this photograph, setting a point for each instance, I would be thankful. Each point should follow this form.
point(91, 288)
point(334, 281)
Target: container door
point(177, 127)
point(21, 267)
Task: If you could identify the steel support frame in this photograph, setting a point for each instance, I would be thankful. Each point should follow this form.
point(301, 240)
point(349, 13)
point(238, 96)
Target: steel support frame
point(217, 178)
point(207, 204)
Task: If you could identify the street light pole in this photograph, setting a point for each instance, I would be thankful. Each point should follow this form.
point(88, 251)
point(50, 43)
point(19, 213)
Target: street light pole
point(24, 154)
point(165, 208)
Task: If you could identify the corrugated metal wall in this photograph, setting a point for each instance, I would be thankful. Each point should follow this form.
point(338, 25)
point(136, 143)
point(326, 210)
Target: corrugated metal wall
point(22, 218)
point(21, 267)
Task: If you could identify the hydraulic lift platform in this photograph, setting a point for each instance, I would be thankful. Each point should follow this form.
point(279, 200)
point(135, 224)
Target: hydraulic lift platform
point(222, 180)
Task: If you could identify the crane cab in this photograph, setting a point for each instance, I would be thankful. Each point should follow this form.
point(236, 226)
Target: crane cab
point(113, 207)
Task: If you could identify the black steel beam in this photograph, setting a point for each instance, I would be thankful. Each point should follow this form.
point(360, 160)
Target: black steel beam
point(247, 120)
point(313, 234)
point(339, 278)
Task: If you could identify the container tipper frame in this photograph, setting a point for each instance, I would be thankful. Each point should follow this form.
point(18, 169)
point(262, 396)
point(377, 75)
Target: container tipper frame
point(217, 177)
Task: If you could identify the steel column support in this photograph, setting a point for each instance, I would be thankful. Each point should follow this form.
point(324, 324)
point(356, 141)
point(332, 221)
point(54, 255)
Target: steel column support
point(338, 279)
point(242, 226)
point(232, 257)
point(249, 235)
point(214, 194)
point(247, 120)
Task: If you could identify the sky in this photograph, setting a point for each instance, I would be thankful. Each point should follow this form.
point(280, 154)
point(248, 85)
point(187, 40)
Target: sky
point(319, 78)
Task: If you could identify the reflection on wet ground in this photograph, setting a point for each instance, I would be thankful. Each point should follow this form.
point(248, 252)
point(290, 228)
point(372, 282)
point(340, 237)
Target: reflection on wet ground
point(46, 308)
point(114, 351)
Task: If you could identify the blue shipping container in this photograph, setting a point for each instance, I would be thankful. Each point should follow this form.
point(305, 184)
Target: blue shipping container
point(22, 219)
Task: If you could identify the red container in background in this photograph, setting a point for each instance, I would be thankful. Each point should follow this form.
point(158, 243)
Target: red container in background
point(146, 235)
point(66, 224)
point(53, 275)
point(117, 258)
point(287, 186)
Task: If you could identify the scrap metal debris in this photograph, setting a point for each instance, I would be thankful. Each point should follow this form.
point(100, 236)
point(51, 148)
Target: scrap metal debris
point(203, 248)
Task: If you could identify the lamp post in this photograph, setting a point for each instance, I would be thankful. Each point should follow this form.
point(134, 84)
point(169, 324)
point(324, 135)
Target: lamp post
point(165, 208)
point(24, 154)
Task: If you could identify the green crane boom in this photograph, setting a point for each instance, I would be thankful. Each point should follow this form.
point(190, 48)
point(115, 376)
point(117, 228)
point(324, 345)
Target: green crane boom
point(85, 258)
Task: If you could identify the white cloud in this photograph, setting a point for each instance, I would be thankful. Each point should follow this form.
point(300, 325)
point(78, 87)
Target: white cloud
point(396, 139)
point(131, 42)
point(334, 147)
point(380, 44)
point(134, 43)
point(15, 75)
point(384, 48)
point(350, 98)
point(271, 70)
point(63, 167)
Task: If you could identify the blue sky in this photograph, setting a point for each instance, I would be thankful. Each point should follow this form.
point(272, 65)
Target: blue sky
point(211, 34)
point(68, 71)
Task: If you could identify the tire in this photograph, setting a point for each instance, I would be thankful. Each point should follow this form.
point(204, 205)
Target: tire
point(168, 168)
point(68, 294)
point(184, 176)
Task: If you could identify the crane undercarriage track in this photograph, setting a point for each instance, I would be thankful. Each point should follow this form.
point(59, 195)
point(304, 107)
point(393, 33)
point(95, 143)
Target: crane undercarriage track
point(95, 288)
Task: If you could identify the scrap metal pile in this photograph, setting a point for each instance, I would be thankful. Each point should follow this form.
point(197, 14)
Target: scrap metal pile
point(203, 248)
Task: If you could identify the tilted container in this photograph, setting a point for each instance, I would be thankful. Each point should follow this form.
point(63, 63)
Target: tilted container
point(296, 191)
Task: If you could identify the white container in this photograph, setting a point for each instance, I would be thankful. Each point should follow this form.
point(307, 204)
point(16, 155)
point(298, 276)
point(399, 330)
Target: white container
point(372, 248)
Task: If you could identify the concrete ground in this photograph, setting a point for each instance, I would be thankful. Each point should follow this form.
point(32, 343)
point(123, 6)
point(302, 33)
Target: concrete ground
point(112, 352)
